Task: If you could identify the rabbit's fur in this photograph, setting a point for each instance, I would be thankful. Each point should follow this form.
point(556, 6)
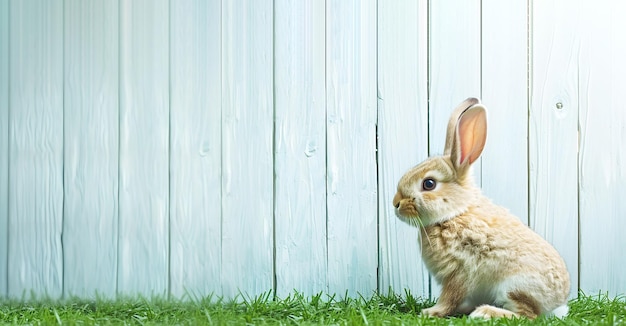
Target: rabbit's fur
point(488, 263)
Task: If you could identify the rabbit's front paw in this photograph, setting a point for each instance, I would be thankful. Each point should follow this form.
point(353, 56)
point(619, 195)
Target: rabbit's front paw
point(436, 311)
point(487, 311)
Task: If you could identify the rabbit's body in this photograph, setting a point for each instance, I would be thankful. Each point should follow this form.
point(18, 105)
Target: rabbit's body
point(488, 262)
point(495, 256)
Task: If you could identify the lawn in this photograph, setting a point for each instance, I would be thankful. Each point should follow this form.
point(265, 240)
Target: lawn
point(295, 309)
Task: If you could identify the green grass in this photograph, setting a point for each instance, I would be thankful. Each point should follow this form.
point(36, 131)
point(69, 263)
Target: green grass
point(295, 309)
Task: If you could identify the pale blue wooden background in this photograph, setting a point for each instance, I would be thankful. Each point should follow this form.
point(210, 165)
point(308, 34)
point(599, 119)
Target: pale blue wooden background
point(191, 147)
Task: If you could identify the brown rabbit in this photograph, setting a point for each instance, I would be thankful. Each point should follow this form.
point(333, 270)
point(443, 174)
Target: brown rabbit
point(488, 263)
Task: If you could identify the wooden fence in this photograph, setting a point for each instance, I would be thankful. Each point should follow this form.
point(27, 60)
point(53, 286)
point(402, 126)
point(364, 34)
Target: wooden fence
point(191, 147)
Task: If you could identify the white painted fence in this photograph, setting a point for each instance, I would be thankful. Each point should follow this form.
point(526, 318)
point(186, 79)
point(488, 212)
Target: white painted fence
point(190, 147)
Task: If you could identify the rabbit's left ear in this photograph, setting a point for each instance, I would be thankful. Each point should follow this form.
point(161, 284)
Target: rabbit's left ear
point(454, 120)
point(471, 135)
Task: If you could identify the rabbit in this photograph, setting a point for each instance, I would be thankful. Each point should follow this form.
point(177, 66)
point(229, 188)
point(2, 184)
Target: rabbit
point(488, 263)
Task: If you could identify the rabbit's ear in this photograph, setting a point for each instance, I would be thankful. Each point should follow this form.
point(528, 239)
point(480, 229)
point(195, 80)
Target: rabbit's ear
point(454, 119)
point(471, 135)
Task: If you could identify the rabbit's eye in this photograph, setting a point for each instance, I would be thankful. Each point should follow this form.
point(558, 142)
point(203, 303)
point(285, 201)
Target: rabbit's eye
point(429, 184)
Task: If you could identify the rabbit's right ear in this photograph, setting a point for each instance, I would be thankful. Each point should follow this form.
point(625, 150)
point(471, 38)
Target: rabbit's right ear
point(454, 119)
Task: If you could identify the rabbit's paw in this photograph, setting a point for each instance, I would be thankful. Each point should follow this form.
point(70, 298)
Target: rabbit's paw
point(436, 311)
point(487, 311)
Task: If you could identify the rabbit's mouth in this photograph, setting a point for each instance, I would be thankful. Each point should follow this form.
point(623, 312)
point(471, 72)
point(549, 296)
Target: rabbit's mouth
point(406, 211)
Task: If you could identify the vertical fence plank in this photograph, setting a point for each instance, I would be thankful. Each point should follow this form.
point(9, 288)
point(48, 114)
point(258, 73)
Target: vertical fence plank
point(144, 141)
point(602, 157)
point(455, 66)
point(195, 148)
point(553, 127)
point(247, 158)
point(300, 140)
point(4, 143)
point(36, 148)
point(91, 148)
point(504, 92)
point(402, 136)
point(455, 69)
point(351, 132)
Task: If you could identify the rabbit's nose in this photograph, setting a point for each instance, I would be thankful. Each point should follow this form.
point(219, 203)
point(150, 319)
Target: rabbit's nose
point(396, 200)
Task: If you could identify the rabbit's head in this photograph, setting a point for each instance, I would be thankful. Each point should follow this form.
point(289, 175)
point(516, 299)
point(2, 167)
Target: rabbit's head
point(441, 187)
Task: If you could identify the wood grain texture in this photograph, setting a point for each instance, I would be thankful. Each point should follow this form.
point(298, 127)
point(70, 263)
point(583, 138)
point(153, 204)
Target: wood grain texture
point(454, 70)
point(455, 65)
point(402, 136)
point(602, 157)
point(195, 148)
point(351, 140)
point(36, 148)
point(243, 186)
point(4, 145)
point(505, 93)
point(300, 147)
point(91, 119)
point(144, 145)
point(247, 153)
point(553, 127)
